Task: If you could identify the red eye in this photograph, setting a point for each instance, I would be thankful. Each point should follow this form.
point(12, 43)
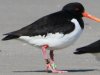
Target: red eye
point(77, 9)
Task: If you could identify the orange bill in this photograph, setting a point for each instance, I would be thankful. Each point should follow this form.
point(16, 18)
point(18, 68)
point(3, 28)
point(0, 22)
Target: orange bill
point(85, 14)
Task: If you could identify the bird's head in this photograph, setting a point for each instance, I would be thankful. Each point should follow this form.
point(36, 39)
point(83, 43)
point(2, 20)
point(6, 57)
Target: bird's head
point(78, 10)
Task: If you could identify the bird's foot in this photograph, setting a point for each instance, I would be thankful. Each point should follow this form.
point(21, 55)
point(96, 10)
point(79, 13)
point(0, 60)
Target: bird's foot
point(52, 68)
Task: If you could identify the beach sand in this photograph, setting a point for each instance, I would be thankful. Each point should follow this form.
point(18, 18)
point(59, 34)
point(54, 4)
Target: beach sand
point(18, 58)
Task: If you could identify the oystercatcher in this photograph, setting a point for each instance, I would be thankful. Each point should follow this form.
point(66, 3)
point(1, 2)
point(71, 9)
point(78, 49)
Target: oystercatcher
point(93, 48)
point(55, 31)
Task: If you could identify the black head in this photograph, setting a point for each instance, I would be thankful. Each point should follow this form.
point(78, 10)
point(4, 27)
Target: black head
point(77, 10)
point(74, 8)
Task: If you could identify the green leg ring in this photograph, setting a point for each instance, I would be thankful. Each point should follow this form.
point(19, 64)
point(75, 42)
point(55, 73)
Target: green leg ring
point(53, 65)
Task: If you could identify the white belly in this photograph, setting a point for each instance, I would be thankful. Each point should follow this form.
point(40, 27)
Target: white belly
point(57, 40)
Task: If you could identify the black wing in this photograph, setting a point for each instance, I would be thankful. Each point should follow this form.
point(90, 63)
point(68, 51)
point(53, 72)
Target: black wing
point(56, 22)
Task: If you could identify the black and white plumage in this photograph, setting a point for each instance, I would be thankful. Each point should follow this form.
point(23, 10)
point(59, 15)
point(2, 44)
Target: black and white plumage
point(55, 31)
point(93, 48)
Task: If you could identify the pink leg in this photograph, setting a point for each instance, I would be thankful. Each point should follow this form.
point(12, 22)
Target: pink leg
point(51, 55)
point(48, 64)
point(44, 51)
point(52, 59)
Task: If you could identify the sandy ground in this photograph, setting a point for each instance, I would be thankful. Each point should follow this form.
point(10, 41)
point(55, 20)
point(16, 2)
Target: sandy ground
point(18, 58)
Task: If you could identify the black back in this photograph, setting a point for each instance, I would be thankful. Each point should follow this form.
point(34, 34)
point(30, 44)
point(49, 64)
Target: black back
point(56, 22)
point(53, 23)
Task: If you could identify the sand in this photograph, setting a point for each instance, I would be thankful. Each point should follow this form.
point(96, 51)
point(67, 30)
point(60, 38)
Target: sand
point(18, 58)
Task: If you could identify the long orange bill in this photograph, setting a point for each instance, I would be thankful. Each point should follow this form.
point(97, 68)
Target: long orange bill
point(85, 14)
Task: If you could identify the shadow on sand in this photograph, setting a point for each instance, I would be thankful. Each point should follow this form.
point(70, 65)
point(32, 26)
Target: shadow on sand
point(76, 70)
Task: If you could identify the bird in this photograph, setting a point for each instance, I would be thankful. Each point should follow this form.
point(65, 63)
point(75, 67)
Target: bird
point(93, 48)
point(54, 31)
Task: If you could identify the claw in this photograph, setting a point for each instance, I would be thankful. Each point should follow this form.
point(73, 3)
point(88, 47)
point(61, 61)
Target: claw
point(58, 71)
point(48, 66)
point(54, 70)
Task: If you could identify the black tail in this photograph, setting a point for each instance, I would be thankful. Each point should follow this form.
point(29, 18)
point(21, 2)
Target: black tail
point(79, 52)
point(9, 37)
point(82, 50)
point(91, 48)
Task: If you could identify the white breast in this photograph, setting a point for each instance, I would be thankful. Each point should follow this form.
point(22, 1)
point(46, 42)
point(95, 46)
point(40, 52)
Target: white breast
point(57, 40)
